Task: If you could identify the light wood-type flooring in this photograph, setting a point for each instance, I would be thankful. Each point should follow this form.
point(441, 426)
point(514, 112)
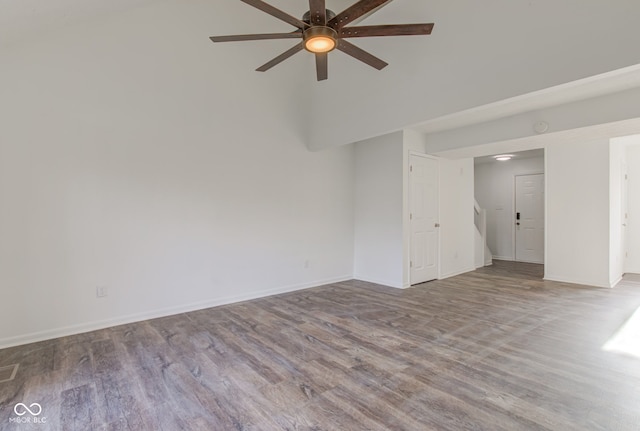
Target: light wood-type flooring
point(495, 349)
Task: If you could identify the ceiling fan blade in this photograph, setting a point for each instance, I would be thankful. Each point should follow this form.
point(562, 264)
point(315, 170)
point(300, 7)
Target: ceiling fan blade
point(267, 8)
point(241, 37)
point(318, 12)
point(322, 66)
point(282, 57)
point(386, 30)
point(362, 55)
point(356, 11)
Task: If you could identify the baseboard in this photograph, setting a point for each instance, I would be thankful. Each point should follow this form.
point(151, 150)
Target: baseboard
point(164, 312)
point(453, 274)
point(576, 281)
point(507, 258)
point(511, 259)
point(529, 261)
point(380, 281)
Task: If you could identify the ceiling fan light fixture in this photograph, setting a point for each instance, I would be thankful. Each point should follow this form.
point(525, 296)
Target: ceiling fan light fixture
point(320, 44)
point(320, 39)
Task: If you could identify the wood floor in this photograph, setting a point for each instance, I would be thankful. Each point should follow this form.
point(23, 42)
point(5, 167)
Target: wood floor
point(495, 349)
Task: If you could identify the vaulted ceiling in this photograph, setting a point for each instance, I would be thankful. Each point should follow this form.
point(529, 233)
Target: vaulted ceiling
point(480, 52)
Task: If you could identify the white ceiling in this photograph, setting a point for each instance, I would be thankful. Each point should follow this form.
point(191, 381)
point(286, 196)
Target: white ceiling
point(25, 20)
point(485, 59)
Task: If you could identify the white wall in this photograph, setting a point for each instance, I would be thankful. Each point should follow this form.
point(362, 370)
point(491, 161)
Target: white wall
point(378, 210)
point(128, 163)
point(577, 212)
point(632, 263)
point(457, 248)
point(494, 191)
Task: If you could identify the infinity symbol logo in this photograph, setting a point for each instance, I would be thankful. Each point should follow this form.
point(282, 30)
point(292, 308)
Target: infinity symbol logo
point(26, 409)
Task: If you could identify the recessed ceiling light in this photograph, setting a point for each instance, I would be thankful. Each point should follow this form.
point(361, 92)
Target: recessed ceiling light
point(503, 157)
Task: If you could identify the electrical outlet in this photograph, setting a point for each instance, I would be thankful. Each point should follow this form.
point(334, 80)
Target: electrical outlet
point(102, 291)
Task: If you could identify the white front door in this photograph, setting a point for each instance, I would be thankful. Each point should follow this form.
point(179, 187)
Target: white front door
point(529, 221)
point(423, 208)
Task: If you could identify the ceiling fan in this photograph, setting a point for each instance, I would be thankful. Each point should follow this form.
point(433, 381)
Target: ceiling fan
point(322, 31)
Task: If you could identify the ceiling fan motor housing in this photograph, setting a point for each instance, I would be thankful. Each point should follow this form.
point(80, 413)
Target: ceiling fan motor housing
point(307, 16)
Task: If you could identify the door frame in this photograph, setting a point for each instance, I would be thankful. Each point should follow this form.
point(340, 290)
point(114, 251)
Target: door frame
point(408, 211)
point(513, 215)
point(624, 214)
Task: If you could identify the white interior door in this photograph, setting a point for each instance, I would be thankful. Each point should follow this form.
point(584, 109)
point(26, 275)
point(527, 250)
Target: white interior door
point(424, 211)
point(529, 221)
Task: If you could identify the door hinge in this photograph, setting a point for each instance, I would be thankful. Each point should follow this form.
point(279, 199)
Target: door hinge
point(410, 264)
point(411, 168)
point(411, 216)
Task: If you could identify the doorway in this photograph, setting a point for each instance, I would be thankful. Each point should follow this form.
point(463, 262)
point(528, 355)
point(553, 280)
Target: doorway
point(495, 192)
point(529, 223)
